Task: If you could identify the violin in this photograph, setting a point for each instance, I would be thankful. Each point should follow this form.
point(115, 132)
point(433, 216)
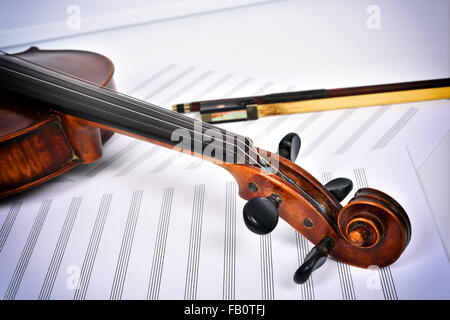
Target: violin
point(60, 106)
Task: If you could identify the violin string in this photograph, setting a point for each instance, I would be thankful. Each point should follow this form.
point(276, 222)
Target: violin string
point(134, 111)
point(118, 95)
point(114, 94)
point(286, 178)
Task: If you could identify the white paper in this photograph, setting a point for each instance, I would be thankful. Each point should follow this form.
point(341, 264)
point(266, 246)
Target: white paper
point(185, 239)
point(70, 232)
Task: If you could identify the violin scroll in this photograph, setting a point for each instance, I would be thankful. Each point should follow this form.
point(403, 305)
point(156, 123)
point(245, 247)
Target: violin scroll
point(372, 229)
point(374, 222)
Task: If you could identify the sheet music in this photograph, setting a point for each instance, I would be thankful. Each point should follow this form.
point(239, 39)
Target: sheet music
point(128, 226)
point(130, 237)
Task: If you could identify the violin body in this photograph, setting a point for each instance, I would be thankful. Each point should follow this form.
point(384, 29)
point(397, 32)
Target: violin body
point(38, 143)
point(60, 122)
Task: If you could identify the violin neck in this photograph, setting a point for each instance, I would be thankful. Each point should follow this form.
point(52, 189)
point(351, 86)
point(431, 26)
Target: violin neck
point(118, 112)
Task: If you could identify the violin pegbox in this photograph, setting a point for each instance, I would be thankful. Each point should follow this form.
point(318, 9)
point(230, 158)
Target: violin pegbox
point(372, 229)
point(261, 213)
point(289, 148)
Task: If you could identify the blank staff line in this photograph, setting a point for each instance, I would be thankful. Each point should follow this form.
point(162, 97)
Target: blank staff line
point(266, 267)
point(263, 271)
point(188, 285)
point(350, 285)
point(264, 88)
point(359, 182)
point(126, 246)
point(60, 249)
point(213, 86)
point(313, 145)
point(114, 157)
point(225, 251)
point(89, 255)
point(233, 234)
point(229, 265)
point(326, 177)
point(190, 292)
point(151, 79)
point(305, 124)
point(186, 87)
point(361, 178)
point(153, 273)
point(194, 164)
point(307, 288)
point(160, 245)
point(386, 279)
point(391, 282)
point(167, 84)
point(310, 282)
point(136, 162)
point(384, 285)
point(341, 284)
point(163, 165)
point(387, 283)
point(237, 87)
point(271, 269)
point(346, 281)
point(27, 251)
point(164, 241)
point(351, 140)
point(91, 251)
point(275, 123)
point(395, 129)
point(197, 252)
point(121, 264)
point(344, 271)
point(94, 255)
point(9, 222)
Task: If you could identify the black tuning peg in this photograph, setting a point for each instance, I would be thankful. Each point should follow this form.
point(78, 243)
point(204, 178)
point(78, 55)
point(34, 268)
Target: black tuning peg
point(313, 260)
point(261, 214)
point(339, 188)
point(289, 146)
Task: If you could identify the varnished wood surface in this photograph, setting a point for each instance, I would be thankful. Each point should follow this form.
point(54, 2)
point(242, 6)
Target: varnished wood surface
point(372, 99)
point(374, 206)
point(29, 157)
point(38, 144)
point(328, 99)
